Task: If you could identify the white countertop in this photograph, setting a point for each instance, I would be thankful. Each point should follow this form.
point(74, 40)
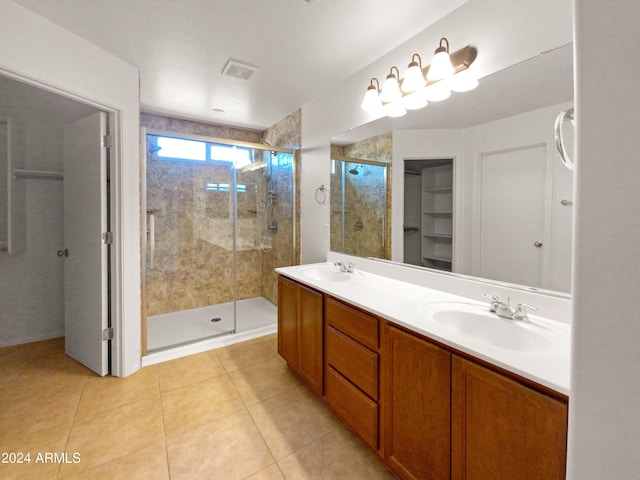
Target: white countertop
point(406, 304)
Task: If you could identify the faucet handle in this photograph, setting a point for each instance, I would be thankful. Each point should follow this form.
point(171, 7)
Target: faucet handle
point(493, 307)
point(521, 311)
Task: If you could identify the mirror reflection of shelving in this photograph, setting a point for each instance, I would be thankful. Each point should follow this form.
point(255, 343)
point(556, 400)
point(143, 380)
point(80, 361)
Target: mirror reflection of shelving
point(429, 213)
point(437, 215)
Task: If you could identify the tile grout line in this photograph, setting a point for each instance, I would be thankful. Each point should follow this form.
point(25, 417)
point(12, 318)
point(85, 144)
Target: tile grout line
point(73, 422)
point(246, 408)
point(164, 427)
point(253, 420)
point(101, 412)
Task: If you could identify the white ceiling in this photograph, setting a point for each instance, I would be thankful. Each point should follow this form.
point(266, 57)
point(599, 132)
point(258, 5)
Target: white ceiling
point(300, 49)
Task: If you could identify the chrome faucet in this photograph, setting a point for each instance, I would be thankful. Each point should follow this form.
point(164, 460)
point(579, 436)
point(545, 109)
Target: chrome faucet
point(505, 310)
point(346, 267)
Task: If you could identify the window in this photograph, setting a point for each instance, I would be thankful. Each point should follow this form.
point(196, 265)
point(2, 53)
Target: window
point(239, 156)
point(225, 187)
point(171, 148)
point(181, 149)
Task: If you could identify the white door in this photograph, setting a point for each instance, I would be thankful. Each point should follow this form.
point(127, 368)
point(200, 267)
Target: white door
point(85, 220)
point(512, 203)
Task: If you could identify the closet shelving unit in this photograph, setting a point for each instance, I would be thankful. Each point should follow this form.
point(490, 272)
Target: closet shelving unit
point(437, 216)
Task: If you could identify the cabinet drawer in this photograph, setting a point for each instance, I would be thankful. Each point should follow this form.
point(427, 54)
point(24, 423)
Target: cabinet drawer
point(355, 362)
point(353, 323)
point(353, 406)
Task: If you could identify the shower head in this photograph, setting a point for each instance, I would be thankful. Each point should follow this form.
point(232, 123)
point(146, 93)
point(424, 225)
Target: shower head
point(354, 171)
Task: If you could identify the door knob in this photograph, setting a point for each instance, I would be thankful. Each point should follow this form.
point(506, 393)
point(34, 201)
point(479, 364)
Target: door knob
point(537, 243)
point(63, 253)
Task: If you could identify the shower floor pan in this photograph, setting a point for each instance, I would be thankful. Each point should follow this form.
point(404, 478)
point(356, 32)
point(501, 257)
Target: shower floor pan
point(184, 327)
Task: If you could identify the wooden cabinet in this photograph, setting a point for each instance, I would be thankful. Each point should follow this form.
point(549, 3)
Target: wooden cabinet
point(447, 417)
point(416, 393)
point(426, 410)
point(352, 368)
point(288, 320)
point(504, 430)
point(300, 331)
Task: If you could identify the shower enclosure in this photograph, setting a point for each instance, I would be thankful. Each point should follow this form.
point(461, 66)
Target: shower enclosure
point(359, 207)
point(219, 220)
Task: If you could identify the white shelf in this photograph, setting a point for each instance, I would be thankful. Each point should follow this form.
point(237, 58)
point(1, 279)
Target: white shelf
point(439, 258)
point(439, 189)
point(437, 216)
point(438, 235)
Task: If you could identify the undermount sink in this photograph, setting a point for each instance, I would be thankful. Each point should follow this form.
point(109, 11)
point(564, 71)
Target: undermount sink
point(476, 322)
point(326, 274)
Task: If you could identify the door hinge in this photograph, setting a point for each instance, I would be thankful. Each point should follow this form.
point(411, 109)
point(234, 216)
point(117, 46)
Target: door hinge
point(107, 238)
point(107, 333)
point(106, 141)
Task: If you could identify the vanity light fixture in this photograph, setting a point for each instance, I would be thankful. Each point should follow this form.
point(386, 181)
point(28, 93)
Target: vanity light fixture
point(414, 78)
point(391, 88)
point(394, 109)
point(462, 82)
point(371, 101)
point(441, 66)
point(436, 92)
point(422, 84)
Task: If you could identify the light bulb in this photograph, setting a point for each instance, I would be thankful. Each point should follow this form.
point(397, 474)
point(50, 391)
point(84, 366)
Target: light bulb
point(394, 109)
point(371, 101)
point(462, 82)
point(437, 92)
point(441, 66)
point(390, 88)
point(414, 78)
point(415, 100)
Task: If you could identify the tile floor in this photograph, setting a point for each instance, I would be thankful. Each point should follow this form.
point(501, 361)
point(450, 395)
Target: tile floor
point(232, 413)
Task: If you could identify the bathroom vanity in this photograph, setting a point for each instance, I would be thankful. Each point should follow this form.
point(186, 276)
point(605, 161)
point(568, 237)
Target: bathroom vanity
point(431, 401)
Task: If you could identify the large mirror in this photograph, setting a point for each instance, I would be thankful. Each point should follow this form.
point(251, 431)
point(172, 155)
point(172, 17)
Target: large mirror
point(4, 185)
point(477, 186)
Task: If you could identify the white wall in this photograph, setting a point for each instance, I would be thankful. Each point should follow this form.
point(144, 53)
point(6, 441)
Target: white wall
point(465, 145)
point(523, 130)
point(604, 422)
point(32, 282)
point(37, 50)
point(474, 23)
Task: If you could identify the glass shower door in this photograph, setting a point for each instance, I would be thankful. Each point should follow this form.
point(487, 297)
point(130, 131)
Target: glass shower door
point(190, 263)
point(219, 221)
point(264, 235)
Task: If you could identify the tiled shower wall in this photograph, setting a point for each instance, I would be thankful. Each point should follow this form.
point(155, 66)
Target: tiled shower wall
point(364, 200)
point(286, 181)
point(192, 266)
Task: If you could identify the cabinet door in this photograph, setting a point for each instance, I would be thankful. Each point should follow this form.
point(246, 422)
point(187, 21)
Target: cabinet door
point(288, 321)
point(310, 337)
point(416, 400)
point(503, 430)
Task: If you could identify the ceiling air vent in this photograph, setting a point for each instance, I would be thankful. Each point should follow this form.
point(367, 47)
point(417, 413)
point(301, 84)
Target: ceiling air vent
point(237, 69)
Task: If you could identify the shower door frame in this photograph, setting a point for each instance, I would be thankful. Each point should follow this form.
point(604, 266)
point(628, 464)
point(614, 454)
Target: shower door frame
point(143, 220)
